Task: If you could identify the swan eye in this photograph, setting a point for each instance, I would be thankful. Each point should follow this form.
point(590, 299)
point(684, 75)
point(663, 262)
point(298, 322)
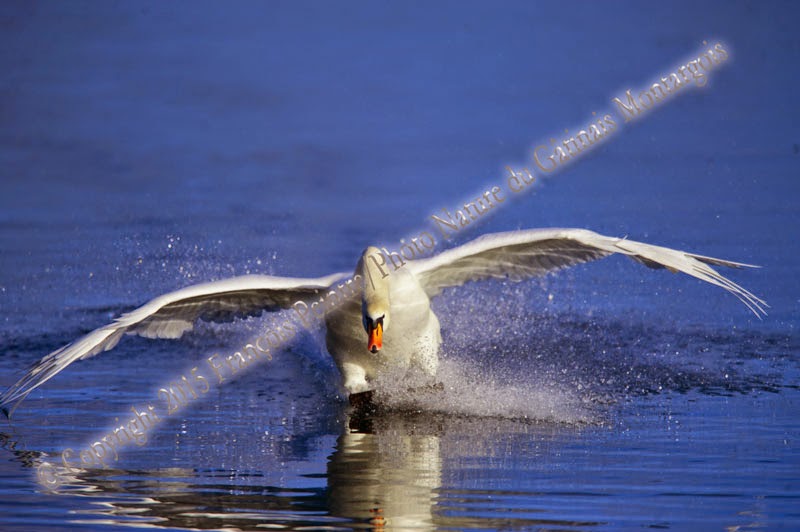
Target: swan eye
point(370, 324)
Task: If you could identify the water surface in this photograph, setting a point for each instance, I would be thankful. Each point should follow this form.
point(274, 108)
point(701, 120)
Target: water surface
point(148, 147)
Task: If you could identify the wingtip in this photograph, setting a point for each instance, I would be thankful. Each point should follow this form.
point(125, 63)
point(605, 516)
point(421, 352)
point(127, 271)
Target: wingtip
point(722, 262)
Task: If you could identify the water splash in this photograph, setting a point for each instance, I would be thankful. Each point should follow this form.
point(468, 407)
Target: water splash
point(464, 389)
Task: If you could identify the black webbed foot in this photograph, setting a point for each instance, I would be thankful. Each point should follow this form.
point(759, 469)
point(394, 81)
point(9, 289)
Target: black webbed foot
point(363, 410)
point(362, 399)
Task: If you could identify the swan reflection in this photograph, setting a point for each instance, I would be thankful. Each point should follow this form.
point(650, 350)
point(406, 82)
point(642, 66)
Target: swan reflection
point(384, 472)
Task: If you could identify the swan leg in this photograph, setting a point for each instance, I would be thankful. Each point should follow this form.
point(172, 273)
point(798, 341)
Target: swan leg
point(355, 381)
point(426, 357)
point(428, 362)
point(355, 378)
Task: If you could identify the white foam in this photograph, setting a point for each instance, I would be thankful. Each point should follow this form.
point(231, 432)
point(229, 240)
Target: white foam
point(471, 391)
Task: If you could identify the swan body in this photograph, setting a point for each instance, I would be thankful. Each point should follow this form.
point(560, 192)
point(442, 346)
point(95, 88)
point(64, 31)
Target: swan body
point(389, 321)
point(411, 334)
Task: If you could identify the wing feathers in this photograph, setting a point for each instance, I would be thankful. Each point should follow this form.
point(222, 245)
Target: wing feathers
point(171, 315)
point(696, 266)
point(535, 252)
point(503, 256)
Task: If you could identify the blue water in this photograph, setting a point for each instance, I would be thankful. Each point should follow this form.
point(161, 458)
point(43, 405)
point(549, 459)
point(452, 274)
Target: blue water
point(148, 146)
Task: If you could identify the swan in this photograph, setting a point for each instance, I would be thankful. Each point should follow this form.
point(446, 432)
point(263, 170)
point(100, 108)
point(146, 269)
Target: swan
point(388, 322)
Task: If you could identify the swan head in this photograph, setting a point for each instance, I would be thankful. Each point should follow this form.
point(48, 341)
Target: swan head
point(375, 298)
point(375, 327)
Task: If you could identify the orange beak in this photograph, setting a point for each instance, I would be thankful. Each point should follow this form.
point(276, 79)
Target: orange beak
point(375, 342)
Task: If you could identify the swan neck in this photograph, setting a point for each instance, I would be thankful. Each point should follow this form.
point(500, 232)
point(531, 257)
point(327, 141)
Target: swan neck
point(375, 275)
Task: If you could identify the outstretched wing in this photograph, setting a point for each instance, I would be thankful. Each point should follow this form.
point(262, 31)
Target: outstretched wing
point(171, 315)
point(521, 254)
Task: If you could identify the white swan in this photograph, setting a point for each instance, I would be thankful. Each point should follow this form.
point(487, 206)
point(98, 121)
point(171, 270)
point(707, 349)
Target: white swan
point(391, 323)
